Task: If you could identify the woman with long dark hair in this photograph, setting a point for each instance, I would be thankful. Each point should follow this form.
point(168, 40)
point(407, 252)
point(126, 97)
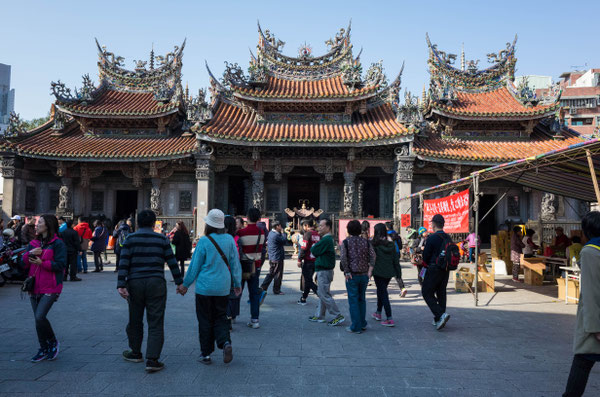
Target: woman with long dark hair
point(46, 259)
point(215, 269)
point(365, 230)
point(99, 244)
point(183, 245)
point(386, 265)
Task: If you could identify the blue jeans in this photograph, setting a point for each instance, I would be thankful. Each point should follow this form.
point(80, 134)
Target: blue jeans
point(82, 261)
point(357, 288)
point(254, 294)
point(471, 254)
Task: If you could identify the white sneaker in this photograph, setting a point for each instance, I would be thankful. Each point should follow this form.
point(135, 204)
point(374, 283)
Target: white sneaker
point(253, 324)
point(403, 292)
point(442, 322)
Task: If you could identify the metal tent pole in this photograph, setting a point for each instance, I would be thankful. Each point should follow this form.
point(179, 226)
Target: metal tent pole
point(593, 174)
point(476, 208)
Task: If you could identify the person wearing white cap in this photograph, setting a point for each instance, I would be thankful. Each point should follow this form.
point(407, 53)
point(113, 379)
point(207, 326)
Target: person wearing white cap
point(17, 226)
point(216, 270)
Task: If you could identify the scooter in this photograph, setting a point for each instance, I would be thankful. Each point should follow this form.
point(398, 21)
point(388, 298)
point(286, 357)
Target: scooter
point(11, 265)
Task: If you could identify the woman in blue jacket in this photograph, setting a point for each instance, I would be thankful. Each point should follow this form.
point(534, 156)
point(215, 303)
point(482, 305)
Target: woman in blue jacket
point(215, 269)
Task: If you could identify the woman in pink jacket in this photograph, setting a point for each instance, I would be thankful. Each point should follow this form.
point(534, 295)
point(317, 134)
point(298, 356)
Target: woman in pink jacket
point(46, 259)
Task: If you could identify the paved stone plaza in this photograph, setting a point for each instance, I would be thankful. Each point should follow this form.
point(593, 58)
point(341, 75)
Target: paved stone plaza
point(518, 343)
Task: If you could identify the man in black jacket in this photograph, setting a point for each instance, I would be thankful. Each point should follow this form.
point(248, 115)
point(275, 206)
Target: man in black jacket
point(73, 242)
point(435, 279)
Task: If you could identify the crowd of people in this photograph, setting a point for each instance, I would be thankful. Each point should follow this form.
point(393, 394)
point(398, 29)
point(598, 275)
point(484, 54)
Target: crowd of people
point(231, 254)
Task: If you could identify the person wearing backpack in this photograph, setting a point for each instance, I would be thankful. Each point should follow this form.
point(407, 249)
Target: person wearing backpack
point(356, 256)
point(439, 257)
point(393, 235)
point(120, 234)
point(216, 271)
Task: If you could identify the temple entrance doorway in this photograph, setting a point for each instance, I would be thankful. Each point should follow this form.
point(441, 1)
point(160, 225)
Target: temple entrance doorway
point(125, 204)
point(303, 188)
point(370, 202)
point(487, 226)
point(236, 199)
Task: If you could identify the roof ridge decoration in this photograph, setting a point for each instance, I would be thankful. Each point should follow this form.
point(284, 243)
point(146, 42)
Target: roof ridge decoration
point(305, 65)
point(471, 78)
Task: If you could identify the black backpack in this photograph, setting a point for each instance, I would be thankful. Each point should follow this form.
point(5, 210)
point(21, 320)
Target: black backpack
point(449, 256)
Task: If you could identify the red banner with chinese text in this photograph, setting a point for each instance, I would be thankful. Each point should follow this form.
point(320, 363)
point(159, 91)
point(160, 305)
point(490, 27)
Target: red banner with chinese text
point(454, 209)
point(405, 220)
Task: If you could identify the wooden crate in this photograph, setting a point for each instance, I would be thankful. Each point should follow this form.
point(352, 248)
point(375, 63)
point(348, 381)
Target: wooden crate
point(486, 283)
point(463, 280)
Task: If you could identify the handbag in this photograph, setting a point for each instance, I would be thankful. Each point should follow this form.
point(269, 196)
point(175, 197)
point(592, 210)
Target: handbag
point(28, 284)
point(220, 251)
point(248, 267)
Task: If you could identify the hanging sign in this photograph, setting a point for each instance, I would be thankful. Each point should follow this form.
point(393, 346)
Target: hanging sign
point(454, 209)
point(405, 220)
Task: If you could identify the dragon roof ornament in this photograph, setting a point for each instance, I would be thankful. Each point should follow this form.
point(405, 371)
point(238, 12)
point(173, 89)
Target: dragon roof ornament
point(469, 76)
point(112, 70)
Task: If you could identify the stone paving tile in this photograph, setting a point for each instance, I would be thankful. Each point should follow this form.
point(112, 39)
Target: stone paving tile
point(518, 342)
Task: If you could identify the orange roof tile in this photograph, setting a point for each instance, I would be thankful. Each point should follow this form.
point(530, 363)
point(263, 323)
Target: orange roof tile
point(121, 103)
point(488, 150)
point(496, 103)
point(332, 87)
point(230, 122)
point(73, 144)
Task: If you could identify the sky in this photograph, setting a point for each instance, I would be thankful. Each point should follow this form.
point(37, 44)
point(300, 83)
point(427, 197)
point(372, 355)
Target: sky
point(46, 41)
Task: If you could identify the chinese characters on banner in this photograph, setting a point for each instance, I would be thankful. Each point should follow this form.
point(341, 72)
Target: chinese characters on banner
point(454, 209)
point(405, 220)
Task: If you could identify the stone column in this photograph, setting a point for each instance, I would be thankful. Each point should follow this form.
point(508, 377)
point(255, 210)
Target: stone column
point(403, 184)
point(258, 190)
point(360, 198)
point(8, 173)
point(65, 201)
point(204, 174)
point(349, 188)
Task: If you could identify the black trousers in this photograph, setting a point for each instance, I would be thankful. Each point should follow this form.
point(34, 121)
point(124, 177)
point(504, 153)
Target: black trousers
point(383, 297)
point(308, 271)
point(276, 274)
point(41, 305)
point(71, 269)
point(580, 372)
point(434, 290)
point(98, 260)
point(149, 295)
point(182, 266)
point(213, 324)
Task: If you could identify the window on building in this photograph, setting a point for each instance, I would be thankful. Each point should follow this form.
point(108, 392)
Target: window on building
point(185, 201)
point(97, 201)
point(53, 199)
point(30, 198)
point(273, 199)
point(586, 121)
point(514, 206)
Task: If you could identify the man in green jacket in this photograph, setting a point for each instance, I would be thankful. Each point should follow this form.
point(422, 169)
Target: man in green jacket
point(324, 251)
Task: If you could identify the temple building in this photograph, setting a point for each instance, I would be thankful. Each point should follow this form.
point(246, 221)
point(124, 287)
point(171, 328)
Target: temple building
point(478, 118)
point(291, 135)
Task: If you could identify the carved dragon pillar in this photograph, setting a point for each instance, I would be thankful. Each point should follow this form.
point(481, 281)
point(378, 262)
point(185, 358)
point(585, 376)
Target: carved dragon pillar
point(349, 185)
point(65, 193)
point(8, 173)
point(204, 179)
point(403, 182)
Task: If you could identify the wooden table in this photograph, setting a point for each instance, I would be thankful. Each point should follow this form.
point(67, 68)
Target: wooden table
point(533, 270)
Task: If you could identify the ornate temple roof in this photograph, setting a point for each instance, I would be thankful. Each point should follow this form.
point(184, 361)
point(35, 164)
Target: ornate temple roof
point(303, 99)
point(121, 93)
point(490, 151)
point(377, 124)
point(470, 93)
point(73, 143)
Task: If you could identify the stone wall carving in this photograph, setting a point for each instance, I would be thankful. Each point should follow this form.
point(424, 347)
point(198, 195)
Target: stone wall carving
point(549, 207)
point(258, 190)
point(203, 169)
point(8, 167)
point(360, 197)
point(349, 192)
